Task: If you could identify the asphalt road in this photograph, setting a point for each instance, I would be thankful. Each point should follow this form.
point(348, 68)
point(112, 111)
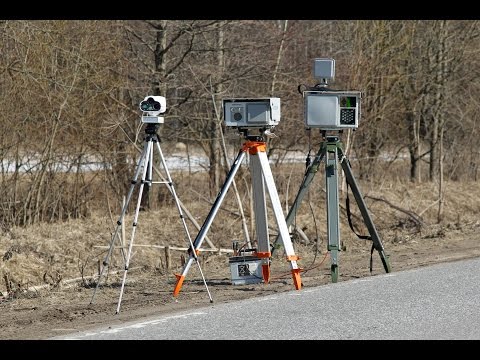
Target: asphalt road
point(437, 302)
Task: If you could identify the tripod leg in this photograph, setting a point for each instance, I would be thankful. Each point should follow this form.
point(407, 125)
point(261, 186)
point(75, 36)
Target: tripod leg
point(261, 157)
point(331, 180)
point(307, 179)
point(134, 225)
point(182, 218)
point(208, 221)
point(260, 211)
point(377, 243)
point(141, 162)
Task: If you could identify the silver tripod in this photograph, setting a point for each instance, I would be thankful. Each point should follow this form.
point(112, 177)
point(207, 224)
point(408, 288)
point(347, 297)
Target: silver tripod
point(145, 164)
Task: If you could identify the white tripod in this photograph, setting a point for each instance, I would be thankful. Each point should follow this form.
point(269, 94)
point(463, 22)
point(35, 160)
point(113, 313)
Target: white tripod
point(145, 162)
point(261, 176)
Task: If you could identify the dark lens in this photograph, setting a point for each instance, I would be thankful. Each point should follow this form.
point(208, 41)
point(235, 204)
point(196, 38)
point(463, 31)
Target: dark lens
point(150, 105)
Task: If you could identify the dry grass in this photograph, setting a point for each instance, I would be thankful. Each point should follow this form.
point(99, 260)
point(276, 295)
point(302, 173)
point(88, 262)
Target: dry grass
point(49, 253)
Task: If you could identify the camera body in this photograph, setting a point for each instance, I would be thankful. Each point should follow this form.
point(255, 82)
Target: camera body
point(152, 106)
point(331, 110)
point(251, 113)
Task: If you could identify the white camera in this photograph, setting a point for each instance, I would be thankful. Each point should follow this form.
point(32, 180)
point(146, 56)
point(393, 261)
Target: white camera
point(152, 106)
point(251, 113)
point(332, 110)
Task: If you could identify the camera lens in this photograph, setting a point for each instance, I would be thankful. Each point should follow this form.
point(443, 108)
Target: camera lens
point(150, 105)
point(237, 116)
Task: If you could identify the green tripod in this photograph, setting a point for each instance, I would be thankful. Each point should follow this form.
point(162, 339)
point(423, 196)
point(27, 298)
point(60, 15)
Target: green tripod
point(331, 149)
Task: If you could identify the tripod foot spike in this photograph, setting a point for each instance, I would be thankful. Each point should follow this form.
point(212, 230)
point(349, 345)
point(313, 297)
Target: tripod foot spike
point(297, 281)
point(178, 285)
point(266, 273)
point(334, 271)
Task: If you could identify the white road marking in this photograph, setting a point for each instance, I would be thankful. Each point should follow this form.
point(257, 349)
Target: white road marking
point(268, 298)
point(362, 280)
point(138, 325)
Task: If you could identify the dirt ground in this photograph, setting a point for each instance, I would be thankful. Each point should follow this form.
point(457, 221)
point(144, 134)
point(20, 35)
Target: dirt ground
point(65, 309)
point(48, 270)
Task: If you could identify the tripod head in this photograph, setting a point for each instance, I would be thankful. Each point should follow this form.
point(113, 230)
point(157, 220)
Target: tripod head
point(329, 137)
point(263, 132)
point(151, 129)
point(332, 138)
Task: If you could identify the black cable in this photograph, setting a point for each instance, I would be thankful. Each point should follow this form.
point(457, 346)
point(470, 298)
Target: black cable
point(308, 161)
point(361, 237)
point(349, 218)
point(316, 234)
point(299, 88)
point(371, 258)
point(317, 87)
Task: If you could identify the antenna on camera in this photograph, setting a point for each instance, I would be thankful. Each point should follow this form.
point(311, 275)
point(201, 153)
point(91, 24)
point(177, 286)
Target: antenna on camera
point(324, 70)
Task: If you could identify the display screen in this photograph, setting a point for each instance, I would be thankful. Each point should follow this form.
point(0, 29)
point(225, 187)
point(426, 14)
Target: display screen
point(348, 101)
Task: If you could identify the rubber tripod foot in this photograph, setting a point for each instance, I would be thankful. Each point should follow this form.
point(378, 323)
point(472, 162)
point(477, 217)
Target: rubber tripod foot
point(266, 273)
point(297, 281)
point(178, 285)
